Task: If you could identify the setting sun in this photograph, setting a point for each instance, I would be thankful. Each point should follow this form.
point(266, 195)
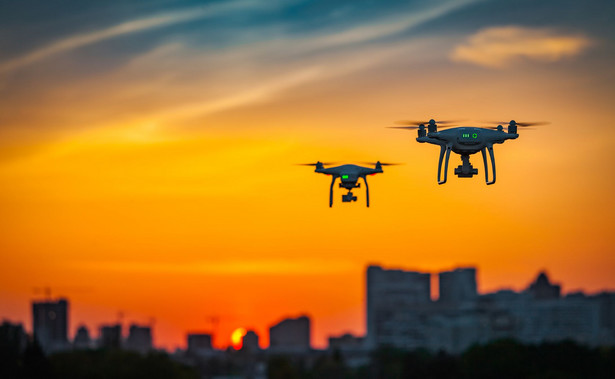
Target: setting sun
point(237, 337)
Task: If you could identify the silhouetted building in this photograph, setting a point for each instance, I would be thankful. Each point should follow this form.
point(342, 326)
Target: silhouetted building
point(82, 339)
point(50, 324)
point(606, 310)
point(111, 336)
point(394, 301)
point(397, 317)
point(346, 342)
point(557, 319)
point(505, 309)
point(139, 339)
point(458, 285)
point(199, 344)
point(290, 335)
point(535, 319)
point(249, 342)
point(13, 338)
point(543, 289)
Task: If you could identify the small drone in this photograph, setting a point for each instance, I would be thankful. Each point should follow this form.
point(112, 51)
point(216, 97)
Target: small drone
point(464, 140)
point(349, 174)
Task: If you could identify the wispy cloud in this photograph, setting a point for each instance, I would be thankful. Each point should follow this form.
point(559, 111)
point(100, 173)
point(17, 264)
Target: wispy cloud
point(174, 83)
point(377, 29)
point(381, 28)
point(501, 47)
point(321, 60)
point(260, 93)
point(128, 27)
point(270, 86)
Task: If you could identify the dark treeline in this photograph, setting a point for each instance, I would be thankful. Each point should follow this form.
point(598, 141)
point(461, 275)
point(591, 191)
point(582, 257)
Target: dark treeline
point(94, 364)
point(500, 359)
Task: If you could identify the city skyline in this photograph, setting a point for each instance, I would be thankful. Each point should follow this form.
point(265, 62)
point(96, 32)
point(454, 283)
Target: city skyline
point(458, 293)
point(148, 151)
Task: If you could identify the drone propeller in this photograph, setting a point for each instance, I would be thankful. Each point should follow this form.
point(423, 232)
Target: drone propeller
point(381, 163)
point(505, 128)
point(315, 164)
point(405, 127)
point(416, 123)
point(523, 124)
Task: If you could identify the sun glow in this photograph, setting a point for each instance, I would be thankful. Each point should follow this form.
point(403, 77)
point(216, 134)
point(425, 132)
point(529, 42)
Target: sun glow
point(237, 337)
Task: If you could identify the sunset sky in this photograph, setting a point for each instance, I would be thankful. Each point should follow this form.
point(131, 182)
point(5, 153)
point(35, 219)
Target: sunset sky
point(148, 151)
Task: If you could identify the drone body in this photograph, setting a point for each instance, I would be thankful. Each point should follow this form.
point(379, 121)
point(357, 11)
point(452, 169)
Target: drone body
point(465, 141)
point(349, 175)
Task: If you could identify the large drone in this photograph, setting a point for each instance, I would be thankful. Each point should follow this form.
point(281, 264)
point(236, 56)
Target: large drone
point(349, 174)
point(465, 141)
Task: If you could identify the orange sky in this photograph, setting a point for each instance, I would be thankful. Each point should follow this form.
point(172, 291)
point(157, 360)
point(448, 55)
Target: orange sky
point(169, 194)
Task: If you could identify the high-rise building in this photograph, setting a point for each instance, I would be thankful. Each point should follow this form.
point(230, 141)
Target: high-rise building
point(82, 338)
point(199, 344)
point(606, 307)
point(249, 342)
point(139, 338)
point(458, 285)
point(50, 324)
point(290, 335)
point(394, 299)
point(399, 314)
point(575, 318)
point(111, 336)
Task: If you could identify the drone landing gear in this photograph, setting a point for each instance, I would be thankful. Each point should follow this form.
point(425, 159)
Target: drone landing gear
point(490, 149)
point(445, 154)
point(465, 170)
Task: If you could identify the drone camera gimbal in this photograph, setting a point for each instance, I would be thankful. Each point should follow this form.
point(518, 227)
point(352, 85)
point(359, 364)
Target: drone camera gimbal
point(347, 198)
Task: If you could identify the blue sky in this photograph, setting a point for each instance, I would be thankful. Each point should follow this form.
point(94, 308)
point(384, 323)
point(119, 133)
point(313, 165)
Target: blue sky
point(46, 44)
point(31, 25)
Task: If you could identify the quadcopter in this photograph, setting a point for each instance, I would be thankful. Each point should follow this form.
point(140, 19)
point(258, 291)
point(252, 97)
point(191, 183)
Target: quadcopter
point(465, 141)
point(349, 174)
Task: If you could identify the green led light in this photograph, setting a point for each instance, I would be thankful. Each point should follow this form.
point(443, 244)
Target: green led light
point(344, 176)
point(466, 135)
point(474, 135)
